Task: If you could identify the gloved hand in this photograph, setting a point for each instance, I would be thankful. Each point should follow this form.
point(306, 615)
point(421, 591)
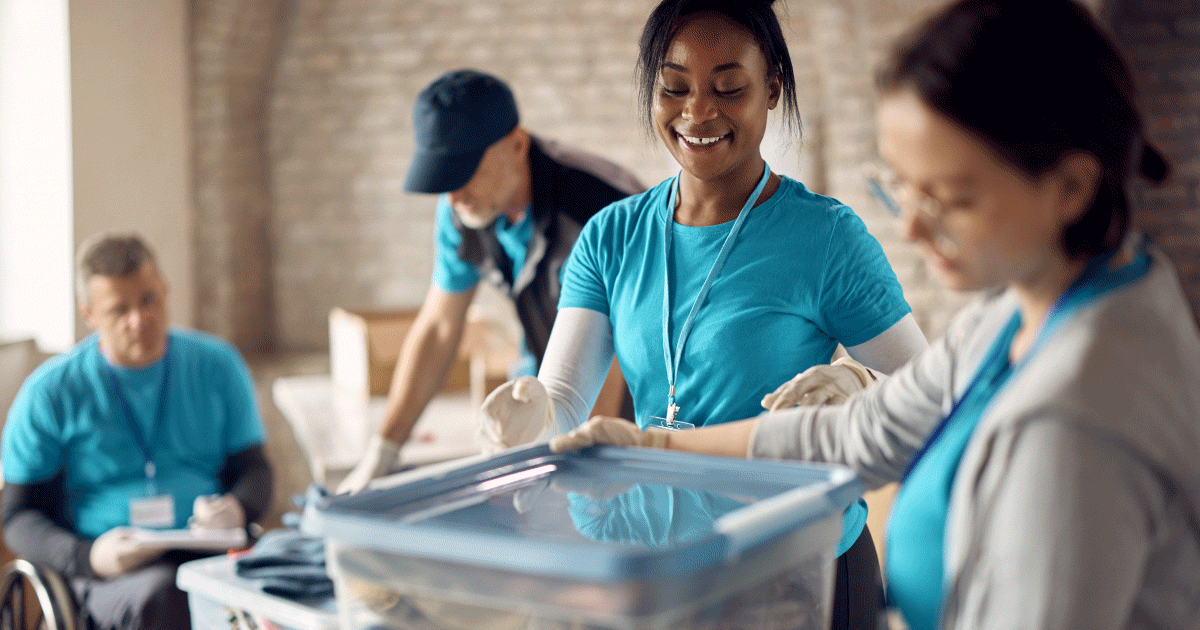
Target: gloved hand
point(820, 385)
point(611, 432)
point(515, 413)
point(382, 456)
point(117, 552)
point(217, 511)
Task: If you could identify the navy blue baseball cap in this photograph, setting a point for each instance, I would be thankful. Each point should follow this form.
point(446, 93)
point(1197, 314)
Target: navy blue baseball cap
point(456, 118)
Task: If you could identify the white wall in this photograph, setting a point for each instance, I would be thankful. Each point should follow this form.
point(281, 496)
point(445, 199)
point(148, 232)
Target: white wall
point(130, 103)
point(94, 135)
point(36, 235)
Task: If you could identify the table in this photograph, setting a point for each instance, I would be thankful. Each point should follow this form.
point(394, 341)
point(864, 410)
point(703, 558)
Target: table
point(332, 427)
point(216, 593)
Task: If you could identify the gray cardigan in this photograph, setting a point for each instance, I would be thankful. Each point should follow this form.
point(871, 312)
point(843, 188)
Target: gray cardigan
point(1077, 501)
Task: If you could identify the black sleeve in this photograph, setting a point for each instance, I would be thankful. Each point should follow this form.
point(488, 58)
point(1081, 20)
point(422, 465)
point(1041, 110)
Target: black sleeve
point(247, 475)
point(36, 529)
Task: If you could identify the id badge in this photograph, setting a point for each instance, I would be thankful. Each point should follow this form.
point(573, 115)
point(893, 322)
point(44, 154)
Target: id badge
point(155, 511)
point(671, 424)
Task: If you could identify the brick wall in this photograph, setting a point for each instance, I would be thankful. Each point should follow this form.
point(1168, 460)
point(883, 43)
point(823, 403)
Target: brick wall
point(1161, 40)
point(234, 50)
point(303, 134)
point(849, 39)
point(340, 129)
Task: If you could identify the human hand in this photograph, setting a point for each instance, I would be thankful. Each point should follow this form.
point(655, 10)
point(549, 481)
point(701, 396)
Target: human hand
point(515, 413)
point(382, 456)
point(217, 511)
point(609, 431)
point(820, 385)
point(117, 551)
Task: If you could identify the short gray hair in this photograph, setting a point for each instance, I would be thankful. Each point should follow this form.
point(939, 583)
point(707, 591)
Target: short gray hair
point(109, 254)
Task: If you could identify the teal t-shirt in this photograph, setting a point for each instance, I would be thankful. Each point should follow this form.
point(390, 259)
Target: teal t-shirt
point(803, 275)
point(455, 275)
point(67, 418)
point(916, 532)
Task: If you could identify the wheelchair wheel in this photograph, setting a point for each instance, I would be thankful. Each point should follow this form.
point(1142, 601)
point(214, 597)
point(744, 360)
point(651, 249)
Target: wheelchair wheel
point(56, 608)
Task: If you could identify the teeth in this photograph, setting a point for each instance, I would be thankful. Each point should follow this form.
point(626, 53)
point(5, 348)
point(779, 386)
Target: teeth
point(701, 141)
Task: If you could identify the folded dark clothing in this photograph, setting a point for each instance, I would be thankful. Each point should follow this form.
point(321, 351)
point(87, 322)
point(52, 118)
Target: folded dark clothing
point(289, 564)
point(311, 573)
point(298, 589)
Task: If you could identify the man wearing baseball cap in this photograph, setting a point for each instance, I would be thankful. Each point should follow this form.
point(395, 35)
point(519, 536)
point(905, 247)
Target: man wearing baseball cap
point(511, 206)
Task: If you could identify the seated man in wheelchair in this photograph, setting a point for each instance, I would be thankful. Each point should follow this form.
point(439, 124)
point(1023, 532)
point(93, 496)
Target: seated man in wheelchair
point(138, 426)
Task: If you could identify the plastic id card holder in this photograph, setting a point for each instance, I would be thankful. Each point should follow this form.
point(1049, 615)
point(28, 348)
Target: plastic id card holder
point(152, 511)
point(671, 425)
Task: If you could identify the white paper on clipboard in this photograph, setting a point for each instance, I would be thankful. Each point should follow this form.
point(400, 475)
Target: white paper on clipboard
point(197, 539)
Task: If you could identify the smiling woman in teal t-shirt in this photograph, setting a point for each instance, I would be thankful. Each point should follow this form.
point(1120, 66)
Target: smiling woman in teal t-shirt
point(716, 286)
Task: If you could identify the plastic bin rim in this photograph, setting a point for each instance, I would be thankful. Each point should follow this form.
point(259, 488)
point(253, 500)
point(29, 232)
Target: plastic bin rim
point(745, 528)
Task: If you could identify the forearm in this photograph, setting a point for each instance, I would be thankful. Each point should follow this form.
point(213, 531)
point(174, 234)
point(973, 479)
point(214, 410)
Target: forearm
point(578, 356)
point(729, 439)
point(33, 535)
point(429, 350)
point(861, 433)
point(248, 477)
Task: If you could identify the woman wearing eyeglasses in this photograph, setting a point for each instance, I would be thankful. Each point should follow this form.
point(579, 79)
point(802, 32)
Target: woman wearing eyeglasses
point(1047, 443)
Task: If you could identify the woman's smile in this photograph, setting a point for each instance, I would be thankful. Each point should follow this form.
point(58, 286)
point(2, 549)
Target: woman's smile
point(700, 143)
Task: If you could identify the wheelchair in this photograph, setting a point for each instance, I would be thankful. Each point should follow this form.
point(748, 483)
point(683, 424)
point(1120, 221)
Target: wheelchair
point(54, 608)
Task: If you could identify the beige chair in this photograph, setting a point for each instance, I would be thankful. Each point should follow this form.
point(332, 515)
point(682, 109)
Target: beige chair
point(17, 359)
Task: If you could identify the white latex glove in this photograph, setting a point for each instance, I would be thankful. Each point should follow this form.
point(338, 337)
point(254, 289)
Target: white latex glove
point(515, 413)
point(820, 385)
point(382, 456)
point(116, 552)
point(610, 432)
point(217, 511)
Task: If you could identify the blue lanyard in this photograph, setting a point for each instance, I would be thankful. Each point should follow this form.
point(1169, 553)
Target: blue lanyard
point(140, 440)
point(1095, 279)
point(668, 228)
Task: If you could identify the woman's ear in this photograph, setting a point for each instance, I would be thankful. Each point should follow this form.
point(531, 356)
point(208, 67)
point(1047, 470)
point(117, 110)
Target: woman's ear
point(1079, 173)
point(774, 89)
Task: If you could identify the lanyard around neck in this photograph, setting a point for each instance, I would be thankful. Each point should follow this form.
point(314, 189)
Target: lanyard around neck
point(1095, 279)
point(668, 228)
point(140, 440)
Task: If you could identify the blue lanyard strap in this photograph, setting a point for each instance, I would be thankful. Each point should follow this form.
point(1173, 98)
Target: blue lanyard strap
point(140, 440)
point(668, 228)
point(1096, 279)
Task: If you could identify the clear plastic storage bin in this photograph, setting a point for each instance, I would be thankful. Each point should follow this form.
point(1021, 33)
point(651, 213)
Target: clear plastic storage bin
point(606, 538)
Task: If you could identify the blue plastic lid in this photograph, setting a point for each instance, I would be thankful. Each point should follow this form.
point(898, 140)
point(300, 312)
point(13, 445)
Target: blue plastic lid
point(602, 513)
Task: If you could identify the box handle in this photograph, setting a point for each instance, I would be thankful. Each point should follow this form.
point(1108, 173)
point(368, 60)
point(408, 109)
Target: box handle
point(750, 526)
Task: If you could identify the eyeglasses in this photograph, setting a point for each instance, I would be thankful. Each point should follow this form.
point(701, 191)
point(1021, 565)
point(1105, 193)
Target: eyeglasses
point(889, 189)
point(893, 192)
